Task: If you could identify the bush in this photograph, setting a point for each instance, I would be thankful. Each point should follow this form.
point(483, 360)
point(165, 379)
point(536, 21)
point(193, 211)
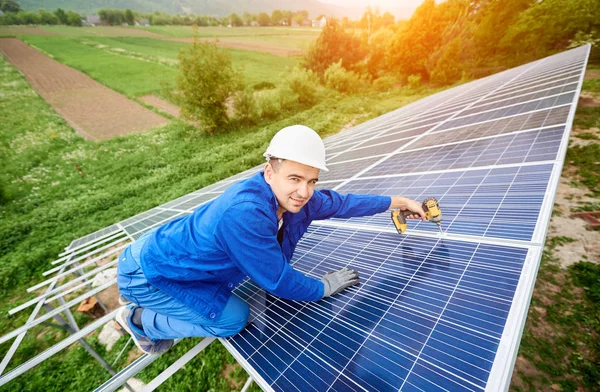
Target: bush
point(304, 83)
point(337, 78)
point(269, 104)
point(414, 81)
point(264, 86)
point(384, 83)
point(246, 109)
point(287, 98)
point(206, 79)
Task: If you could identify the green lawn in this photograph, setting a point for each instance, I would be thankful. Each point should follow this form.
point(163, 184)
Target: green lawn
point(47, 202)
point(137, 66)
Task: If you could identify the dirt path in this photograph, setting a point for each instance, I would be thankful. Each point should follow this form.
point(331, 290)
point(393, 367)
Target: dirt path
point(93, 110)
point(161, 104)
point(256, 46)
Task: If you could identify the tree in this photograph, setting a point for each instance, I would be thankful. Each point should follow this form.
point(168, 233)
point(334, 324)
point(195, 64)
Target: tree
point(549, 25)
point(263, 19)
point(235, 20)
point(276, 17)
point(206, 79)
point(9, 6)
point(300, 16)
point(333, 45)
point(287, 17)
point(47, 18)
point(74, 19)
point(129, 18)
point(247, 18)
point(61, 15)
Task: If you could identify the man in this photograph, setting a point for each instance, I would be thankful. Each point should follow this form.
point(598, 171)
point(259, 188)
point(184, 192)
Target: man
point(179, 277)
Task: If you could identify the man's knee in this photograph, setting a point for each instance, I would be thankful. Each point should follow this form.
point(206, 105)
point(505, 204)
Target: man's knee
point(236, 321)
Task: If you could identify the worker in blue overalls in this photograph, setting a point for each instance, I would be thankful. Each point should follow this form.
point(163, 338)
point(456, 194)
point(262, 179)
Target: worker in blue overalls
point(179, 277)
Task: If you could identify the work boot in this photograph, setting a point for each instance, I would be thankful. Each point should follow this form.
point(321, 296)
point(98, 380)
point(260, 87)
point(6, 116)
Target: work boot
point(144, 343)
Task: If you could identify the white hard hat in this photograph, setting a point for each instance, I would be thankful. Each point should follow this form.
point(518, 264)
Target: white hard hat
point(300, 144)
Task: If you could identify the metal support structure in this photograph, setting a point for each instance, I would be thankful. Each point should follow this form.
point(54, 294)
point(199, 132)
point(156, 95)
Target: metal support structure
point(19, 339)
point(175, 366)
point(72, 328)
point(247, 384)
point(56, 348)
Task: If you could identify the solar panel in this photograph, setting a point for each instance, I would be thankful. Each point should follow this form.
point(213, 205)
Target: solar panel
point(432, 312)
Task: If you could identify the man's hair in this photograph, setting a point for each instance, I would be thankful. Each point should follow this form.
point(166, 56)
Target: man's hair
point(275, 163)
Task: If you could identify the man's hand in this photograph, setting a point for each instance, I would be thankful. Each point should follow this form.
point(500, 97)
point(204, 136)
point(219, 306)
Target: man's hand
point(404, 204)
point(339, 280)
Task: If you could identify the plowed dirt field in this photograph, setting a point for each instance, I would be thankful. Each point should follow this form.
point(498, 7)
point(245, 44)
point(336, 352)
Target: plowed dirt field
point(94, 110)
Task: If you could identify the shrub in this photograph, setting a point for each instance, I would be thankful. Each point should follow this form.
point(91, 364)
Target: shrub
point(414, 81)
point(246, 110)
point(264, 86)
point(206, 79)
point(269, 104)
point(337, 78)
point(304, 84)
point(384, 83)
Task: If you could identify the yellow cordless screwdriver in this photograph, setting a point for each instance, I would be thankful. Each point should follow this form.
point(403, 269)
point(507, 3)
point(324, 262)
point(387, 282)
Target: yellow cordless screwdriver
point(433, 213)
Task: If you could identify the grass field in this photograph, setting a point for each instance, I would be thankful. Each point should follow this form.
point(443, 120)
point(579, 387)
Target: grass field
point(50, 203)
point(187, 31)
point(138, 66)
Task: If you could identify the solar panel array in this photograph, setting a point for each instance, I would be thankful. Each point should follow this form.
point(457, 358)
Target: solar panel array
point(432, 312)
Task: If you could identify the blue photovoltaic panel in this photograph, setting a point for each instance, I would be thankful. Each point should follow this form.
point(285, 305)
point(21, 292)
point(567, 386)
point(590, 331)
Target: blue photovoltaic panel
point(502, 202)
point(532, 146)
point(431, 312)
point(428, 313)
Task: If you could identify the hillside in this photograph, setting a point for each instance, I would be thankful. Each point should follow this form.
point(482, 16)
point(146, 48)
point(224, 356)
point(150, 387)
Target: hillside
point(205, 7)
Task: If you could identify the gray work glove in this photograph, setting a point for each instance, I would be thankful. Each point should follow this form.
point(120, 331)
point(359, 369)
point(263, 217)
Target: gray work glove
point(339, 280)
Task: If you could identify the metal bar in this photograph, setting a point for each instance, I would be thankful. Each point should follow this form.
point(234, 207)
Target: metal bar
point(175, 366)
point(56, 348)
point(63, 274)
point(53, 270)
point(122, 351)
point(247, 384)
point(134, 368)
point(59, 288)
point(19, 339)
point(89, 246)
point(45, 317)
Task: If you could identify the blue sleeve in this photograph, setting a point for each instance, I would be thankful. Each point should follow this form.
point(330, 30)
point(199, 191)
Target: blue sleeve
point(330, 204)
point(248, 235)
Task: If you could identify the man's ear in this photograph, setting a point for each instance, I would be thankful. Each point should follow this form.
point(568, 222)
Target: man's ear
point(269, 173)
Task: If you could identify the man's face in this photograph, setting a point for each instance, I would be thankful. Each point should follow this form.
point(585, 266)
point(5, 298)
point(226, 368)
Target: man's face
point(292, 183)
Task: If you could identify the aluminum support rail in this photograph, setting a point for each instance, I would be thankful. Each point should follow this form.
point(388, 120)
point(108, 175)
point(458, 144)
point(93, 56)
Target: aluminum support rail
point(134, 368)
point(48, 315)
point(56, 348)
point(168, 372)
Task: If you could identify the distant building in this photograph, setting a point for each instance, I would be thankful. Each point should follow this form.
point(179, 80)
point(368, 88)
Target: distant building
point(320, 23)
point(1, 13)
point(295, 24)
point(93, 20)
point(144, 22)
point(255, 24)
